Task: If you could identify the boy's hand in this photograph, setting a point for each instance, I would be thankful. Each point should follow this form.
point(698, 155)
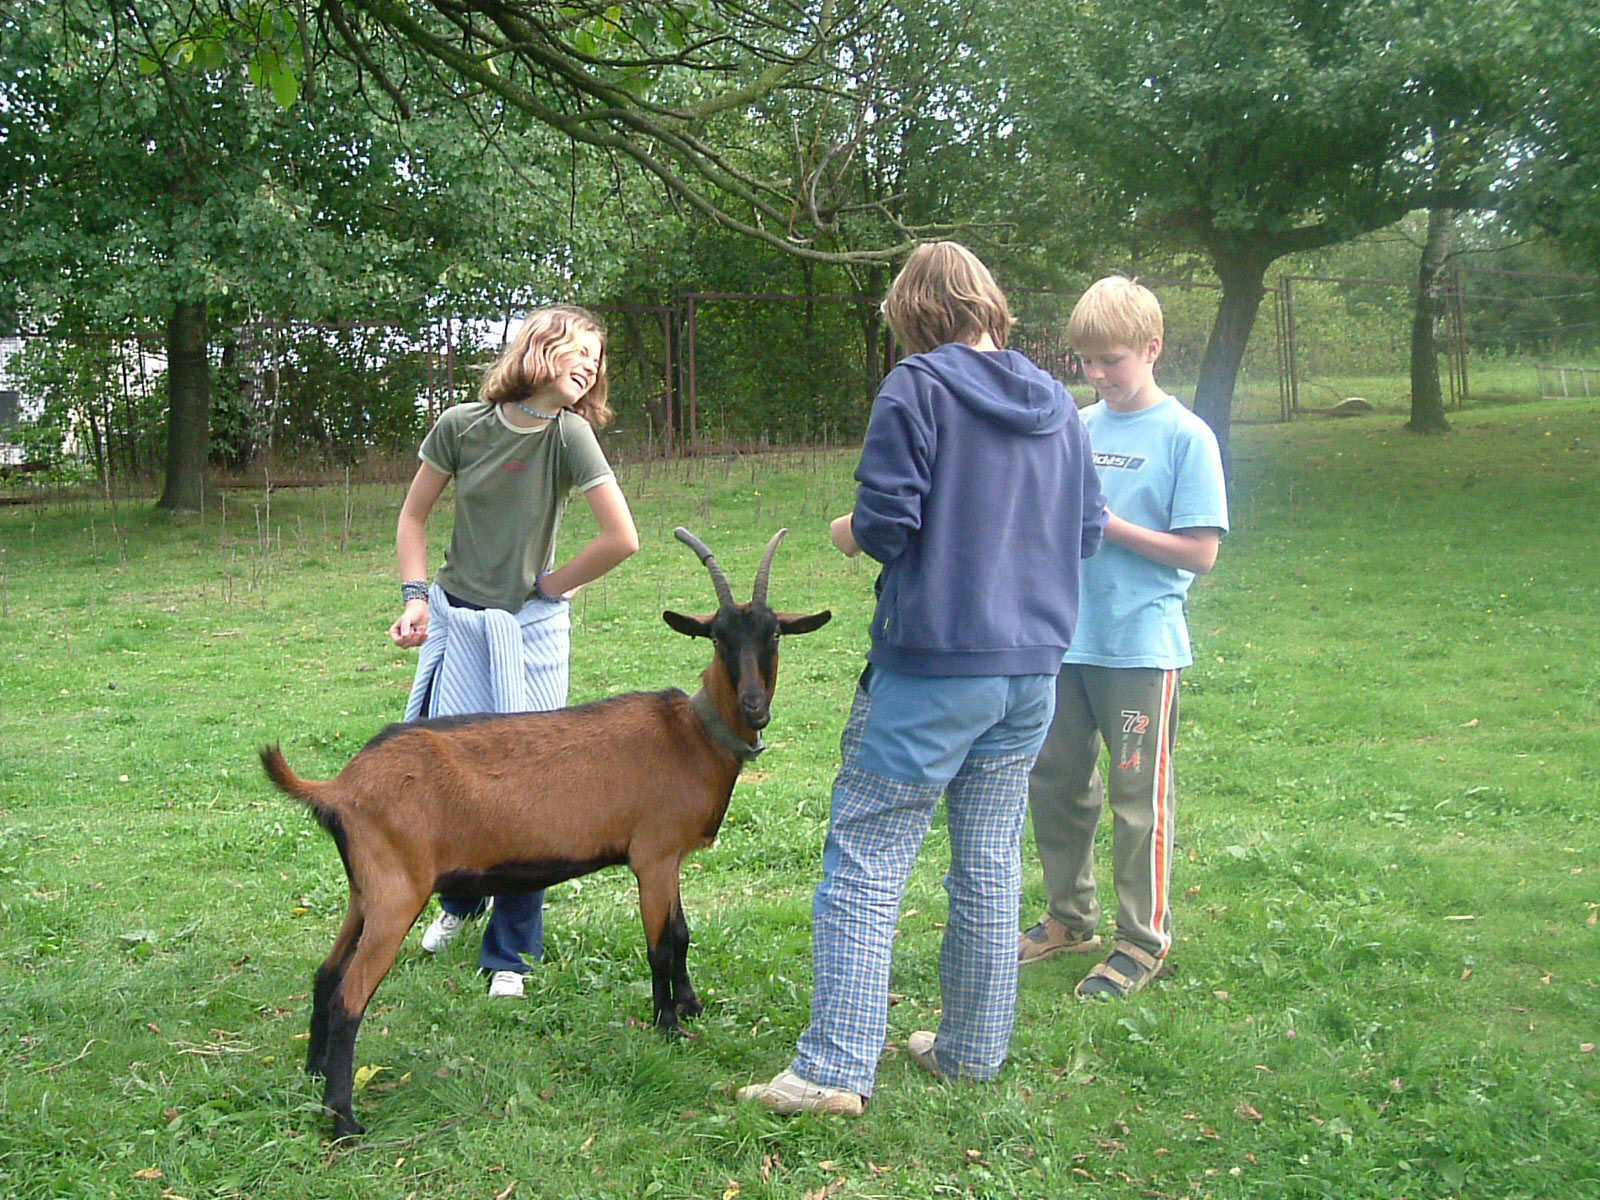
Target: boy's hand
point(843, 533)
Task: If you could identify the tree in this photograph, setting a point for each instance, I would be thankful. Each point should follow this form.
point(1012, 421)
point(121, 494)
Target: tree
point(1427, 398)
point(666, 86)
point(155, 180)
point(1558, 186)
point(1252, 131)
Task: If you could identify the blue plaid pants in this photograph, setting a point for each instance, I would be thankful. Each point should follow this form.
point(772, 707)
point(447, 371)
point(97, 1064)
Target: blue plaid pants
point(876, 831)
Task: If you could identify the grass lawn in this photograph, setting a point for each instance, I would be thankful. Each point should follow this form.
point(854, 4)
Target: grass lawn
point(1387, 972)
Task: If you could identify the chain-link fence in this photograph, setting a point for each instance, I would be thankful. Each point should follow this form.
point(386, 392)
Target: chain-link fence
point(709, 370)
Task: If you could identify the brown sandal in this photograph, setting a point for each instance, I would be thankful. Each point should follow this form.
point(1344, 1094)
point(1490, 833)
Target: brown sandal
point(1122, 983)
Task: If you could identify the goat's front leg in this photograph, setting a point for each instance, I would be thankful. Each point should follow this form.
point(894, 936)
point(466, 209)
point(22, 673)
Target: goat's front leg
point(658, 892)
point(684, 999)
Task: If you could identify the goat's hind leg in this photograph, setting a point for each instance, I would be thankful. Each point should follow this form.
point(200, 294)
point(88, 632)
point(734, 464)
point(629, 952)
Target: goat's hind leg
point(327, 982)
point(382, 932)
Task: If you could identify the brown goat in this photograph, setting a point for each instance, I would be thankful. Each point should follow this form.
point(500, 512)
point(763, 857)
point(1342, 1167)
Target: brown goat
point(488, 804)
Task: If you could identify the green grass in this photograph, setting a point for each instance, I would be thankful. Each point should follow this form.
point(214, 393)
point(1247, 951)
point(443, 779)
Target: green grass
point(1388, 876)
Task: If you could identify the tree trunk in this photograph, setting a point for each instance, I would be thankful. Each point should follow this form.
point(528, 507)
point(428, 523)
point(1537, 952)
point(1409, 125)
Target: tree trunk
point(1427, 398)
point(873, 338)
point(1243, 278)
point(188, 408)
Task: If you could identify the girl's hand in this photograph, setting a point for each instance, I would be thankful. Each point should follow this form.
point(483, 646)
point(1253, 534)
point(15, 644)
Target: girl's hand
point(411, 630)
point(842, 531)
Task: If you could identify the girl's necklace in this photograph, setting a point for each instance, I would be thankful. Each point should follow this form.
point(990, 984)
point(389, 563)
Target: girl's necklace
point(533, 412)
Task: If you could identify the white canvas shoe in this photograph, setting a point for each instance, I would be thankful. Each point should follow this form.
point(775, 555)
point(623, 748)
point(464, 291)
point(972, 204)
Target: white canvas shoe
point(506, 985)
point(788, 1093)
point(445, 929)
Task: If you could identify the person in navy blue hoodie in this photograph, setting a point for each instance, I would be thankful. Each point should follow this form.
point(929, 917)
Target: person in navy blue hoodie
point(978, 495)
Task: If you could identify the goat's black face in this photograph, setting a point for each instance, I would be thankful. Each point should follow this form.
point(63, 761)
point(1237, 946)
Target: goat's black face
point(747, 641)
point(746, 637)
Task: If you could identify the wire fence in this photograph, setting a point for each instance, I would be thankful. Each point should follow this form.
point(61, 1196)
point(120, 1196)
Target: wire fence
point(708, 370)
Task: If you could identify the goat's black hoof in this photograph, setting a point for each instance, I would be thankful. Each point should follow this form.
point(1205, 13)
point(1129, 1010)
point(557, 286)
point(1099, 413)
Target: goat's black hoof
point(690, 1007)
point(346, 1127)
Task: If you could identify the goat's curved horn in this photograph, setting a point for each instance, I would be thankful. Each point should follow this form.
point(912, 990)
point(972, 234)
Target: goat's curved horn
point(718, 579)
point(759, 595)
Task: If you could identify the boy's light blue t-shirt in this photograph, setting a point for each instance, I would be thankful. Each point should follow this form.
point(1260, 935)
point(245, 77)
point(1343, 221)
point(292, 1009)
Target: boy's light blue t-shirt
point(1160, 468)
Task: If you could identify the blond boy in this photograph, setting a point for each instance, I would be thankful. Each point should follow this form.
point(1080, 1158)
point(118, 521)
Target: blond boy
point(1118, 687)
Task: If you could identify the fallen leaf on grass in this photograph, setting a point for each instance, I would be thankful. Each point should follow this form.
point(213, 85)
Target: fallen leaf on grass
point(365, 1075)
point(1466, 972)
point(1462, 917)
point(1585, 1047)
point(1249, 1112)
point(827, 1191)
point(733, 1189)
point(149, 1173)
point(506, 1194)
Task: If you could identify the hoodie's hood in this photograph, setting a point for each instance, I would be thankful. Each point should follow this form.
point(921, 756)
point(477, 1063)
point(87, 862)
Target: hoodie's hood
point(1001, 386)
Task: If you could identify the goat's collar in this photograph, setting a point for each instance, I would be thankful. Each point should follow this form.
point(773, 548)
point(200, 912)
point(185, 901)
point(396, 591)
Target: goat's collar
point(721, 732)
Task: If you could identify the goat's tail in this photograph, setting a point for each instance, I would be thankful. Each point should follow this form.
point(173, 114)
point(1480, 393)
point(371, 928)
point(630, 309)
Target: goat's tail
point(313, 795)
point(308, 792)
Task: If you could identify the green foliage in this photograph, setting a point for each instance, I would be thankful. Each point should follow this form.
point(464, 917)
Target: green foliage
point(269, 33)
point(170, 172)
point(344, 393)
point(1384, 978)
point(98, 407)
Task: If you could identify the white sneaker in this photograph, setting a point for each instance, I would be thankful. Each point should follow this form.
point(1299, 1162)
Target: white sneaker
point(920, 1047)
point(788, 1093)
point(445, 929)
point(506, 985)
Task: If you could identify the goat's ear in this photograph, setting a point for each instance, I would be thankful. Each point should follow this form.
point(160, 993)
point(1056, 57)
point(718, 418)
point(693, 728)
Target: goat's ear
point(687, 625)
point(793, 623)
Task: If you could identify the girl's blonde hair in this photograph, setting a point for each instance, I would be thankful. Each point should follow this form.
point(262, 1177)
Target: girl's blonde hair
point(1115, 311)
point(546, 332)
point(944, 293)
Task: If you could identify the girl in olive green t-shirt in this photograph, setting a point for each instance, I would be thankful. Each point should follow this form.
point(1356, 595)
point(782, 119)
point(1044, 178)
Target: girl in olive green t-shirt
point(515, 455)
